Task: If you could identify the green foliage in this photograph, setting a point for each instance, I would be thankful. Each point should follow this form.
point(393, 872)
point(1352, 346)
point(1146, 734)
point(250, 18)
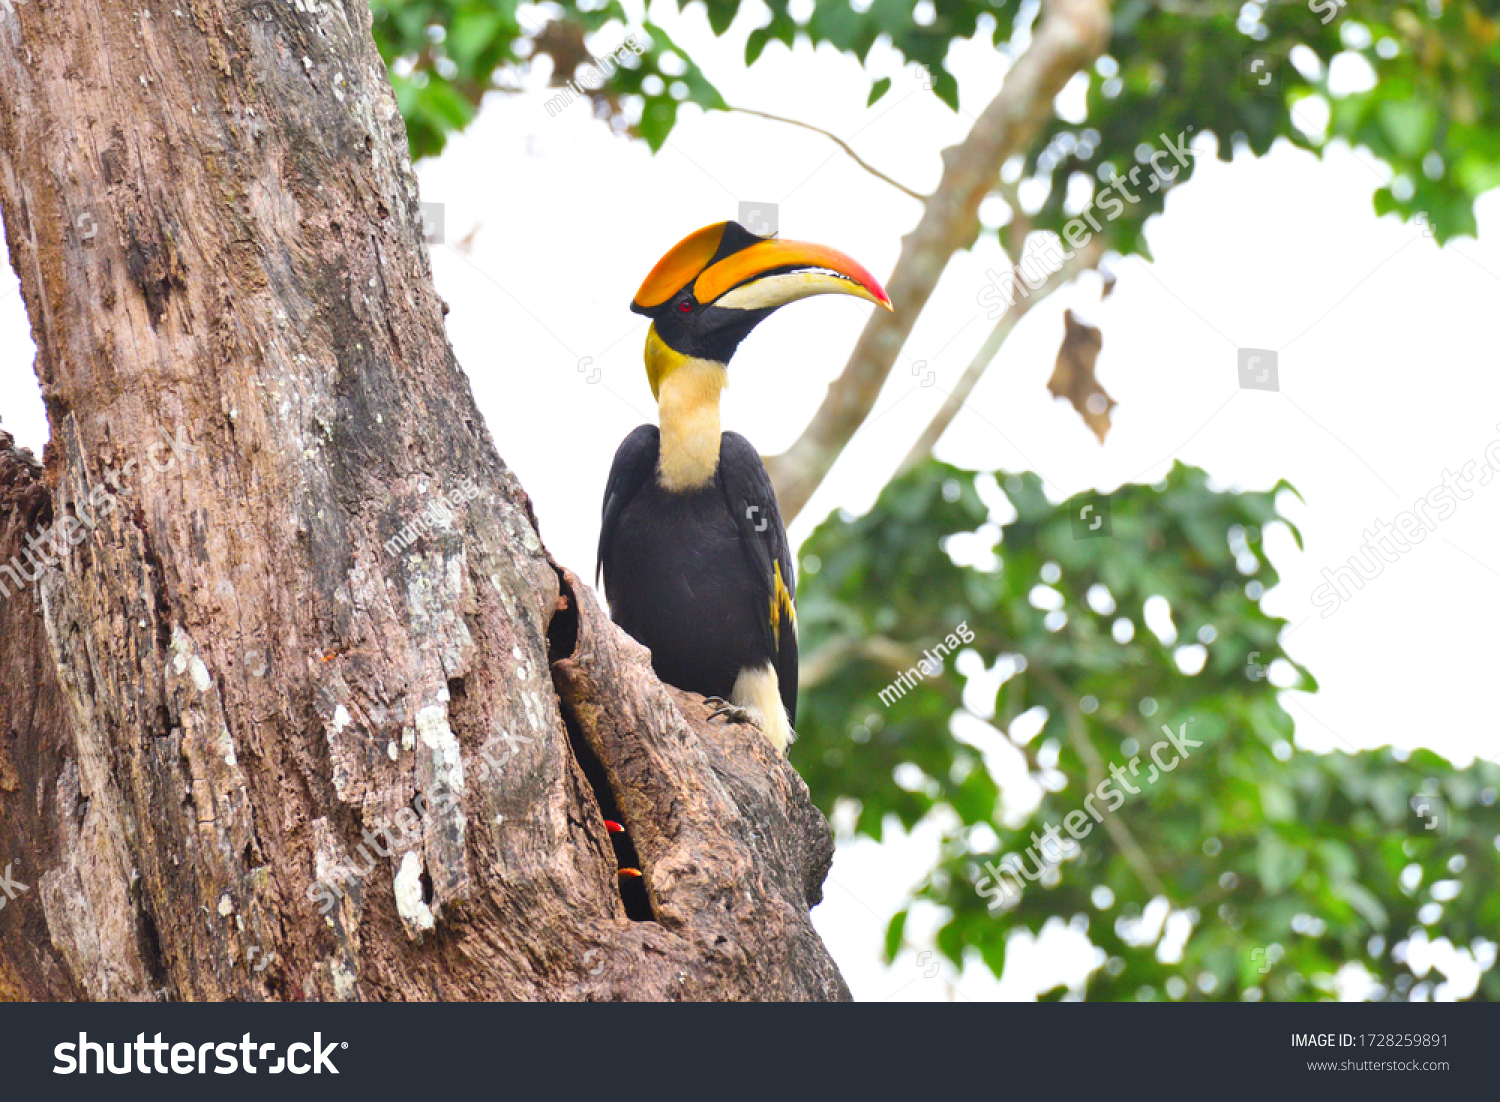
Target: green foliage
point(840, 24)
point(1245, 74)
point(1175, 71)
point(1287, 864)
point(1241, 72)
point(445, 55)
point(659, 112)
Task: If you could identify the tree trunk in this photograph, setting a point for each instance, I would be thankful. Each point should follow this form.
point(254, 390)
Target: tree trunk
point(278, 724)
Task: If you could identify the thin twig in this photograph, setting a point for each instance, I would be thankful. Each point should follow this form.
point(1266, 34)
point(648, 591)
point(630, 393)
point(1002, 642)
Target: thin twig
point(1078, 735)
point(1020, 222)
point(1086, 258)
point(845, 146)
point(883, 651)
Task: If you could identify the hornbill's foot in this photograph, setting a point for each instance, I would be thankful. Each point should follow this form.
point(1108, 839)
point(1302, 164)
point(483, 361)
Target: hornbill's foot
point(723, 709)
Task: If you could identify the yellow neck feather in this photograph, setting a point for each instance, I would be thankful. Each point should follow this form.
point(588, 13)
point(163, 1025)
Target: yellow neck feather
point(687, 394)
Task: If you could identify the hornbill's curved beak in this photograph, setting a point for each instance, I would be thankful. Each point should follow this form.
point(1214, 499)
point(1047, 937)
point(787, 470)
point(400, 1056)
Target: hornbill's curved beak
point(727, 267)
point(773, 273)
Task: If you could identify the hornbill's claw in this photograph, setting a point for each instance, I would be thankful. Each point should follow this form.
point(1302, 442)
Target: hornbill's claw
point(725, 710)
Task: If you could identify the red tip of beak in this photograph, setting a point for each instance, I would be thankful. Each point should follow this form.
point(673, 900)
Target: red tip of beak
point(630, 872)
point(613, 827)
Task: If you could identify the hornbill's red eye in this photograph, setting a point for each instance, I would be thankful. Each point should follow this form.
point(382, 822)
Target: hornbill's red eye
point(685, 306)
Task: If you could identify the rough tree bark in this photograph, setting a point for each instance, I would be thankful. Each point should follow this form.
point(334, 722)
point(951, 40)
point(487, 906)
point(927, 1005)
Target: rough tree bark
point(232, 679)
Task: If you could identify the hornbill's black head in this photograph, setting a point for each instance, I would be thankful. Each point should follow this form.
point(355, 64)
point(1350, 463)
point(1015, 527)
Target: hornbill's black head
point(715, 285)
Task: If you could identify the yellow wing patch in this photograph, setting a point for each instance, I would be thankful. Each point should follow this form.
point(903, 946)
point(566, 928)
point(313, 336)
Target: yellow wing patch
point(782, 607)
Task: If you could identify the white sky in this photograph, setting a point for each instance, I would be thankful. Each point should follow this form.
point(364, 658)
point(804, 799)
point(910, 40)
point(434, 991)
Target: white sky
point(1388, 372)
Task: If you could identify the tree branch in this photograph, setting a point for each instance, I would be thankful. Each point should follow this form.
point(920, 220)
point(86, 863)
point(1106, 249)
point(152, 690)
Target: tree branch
point(1082, 261)
point(880, 649)
point(296, 706)
point(1070, 35)
point(1078, 735)
point(838, 141)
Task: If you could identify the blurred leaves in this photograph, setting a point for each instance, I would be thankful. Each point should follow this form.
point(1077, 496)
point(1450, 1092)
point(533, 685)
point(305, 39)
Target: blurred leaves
point(1250, 74)
point(1427, 74)
point(1250, 870)
point(444, 56)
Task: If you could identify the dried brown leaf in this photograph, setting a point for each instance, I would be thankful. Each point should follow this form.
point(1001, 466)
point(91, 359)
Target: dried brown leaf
point(1073, 377)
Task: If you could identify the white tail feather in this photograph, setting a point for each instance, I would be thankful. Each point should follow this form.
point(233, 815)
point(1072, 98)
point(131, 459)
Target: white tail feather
point(758, 691)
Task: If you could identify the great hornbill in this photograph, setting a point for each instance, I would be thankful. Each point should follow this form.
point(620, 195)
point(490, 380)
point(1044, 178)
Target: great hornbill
point(694, 555)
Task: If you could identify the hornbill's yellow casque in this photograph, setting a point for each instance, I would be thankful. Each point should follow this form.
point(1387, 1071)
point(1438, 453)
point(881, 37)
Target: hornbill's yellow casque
point(694, 555)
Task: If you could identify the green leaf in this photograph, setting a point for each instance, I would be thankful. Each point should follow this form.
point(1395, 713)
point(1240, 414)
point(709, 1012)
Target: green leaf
point(945, 87)
point(894, 932)
point(656, 123)
point(721, 14)
point(1408, 125)
point(755, 44)
point(1364, 901)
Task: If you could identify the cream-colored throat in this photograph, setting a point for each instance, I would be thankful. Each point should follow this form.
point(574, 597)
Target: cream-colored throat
point(688, 404)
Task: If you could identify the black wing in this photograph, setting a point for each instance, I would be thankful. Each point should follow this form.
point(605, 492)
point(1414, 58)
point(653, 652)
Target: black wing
point(752, 501)
point(634, 461)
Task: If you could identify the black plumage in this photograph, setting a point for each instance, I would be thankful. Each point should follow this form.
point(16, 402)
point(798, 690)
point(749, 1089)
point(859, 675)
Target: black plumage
point(693, 575)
